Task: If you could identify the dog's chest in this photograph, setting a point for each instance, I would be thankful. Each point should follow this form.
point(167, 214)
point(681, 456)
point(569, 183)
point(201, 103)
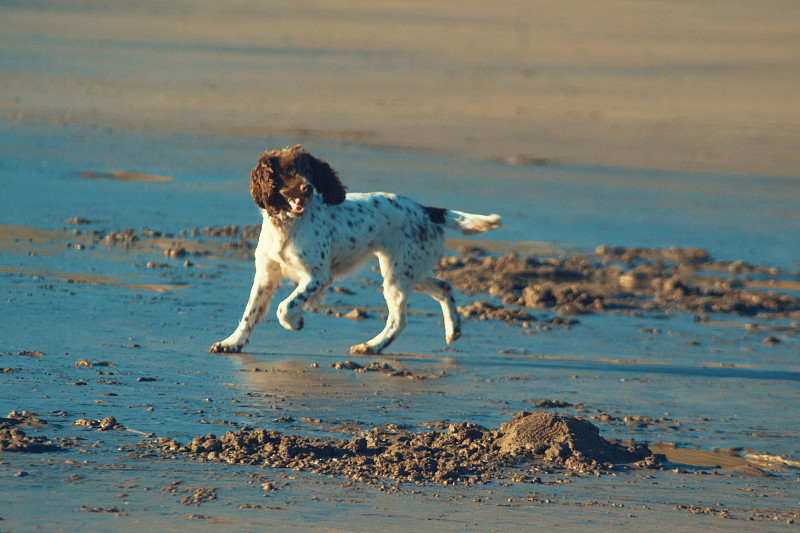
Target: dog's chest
point(285, 244)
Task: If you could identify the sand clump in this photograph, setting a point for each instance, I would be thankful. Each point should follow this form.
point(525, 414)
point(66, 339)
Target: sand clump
point(14, 439)
point(465, 452)
point(382, 367)
point(616, 279)
point(483, 310)
point(106, 424)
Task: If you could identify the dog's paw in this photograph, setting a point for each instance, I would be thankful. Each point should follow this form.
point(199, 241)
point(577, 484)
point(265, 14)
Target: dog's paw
point(292, 322)
point(452, 337)
point(287, 318)
point(220, 347)
point(362, 349)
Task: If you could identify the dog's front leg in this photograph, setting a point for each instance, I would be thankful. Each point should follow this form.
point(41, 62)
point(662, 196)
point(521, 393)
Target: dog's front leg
point(267, 280)
point(308, 291)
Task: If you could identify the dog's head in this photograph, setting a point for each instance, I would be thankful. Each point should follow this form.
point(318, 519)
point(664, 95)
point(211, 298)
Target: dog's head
point(284, 181)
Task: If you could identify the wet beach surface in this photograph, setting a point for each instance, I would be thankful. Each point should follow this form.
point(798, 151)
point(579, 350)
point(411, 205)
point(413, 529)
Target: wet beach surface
point(113, 297)
point(630, 349)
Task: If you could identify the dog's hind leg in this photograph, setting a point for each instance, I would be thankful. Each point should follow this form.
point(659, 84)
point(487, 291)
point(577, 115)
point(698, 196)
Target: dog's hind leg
point(395, 290)
point(442, 292)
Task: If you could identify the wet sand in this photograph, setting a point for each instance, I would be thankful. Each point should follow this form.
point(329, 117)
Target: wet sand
point(640, 301)
point(158, 434)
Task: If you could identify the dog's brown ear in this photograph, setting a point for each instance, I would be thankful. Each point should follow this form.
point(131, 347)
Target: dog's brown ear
point(263, 187)
point(324, 179)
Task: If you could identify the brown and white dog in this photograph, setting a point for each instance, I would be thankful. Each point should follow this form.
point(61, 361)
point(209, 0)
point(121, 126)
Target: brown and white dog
point(313, 232)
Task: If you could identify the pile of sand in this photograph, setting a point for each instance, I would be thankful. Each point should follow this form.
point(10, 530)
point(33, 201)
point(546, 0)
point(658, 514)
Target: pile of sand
point(464, 453)
point(563, 440)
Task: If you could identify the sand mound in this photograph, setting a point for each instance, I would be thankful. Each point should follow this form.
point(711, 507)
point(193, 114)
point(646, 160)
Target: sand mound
point(563, 439)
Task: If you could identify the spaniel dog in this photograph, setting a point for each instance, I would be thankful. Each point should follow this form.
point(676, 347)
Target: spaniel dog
point(313, 232)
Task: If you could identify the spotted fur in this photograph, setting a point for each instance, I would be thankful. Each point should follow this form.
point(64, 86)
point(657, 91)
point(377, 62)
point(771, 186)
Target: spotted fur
point(312, 233)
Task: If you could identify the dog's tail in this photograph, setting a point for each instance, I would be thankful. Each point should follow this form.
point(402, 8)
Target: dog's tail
point(466, 223)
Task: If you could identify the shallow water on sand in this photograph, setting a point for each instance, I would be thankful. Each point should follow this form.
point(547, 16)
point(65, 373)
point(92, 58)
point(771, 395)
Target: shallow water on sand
point(711, 384)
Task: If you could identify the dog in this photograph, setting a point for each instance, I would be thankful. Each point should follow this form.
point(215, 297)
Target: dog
point(313, 232)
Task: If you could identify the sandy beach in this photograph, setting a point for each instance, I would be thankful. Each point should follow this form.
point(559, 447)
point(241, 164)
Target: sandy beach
point(697, 86)
point(629, 357)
